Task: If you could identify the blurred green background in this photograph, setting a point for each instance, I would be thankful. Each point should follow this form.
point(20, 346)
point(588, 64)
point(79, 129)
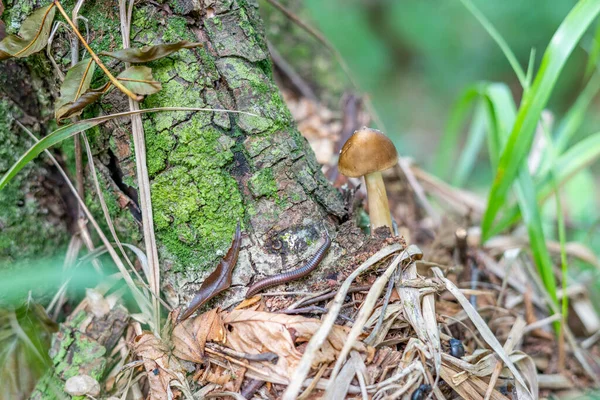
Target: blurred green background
point(414, 57)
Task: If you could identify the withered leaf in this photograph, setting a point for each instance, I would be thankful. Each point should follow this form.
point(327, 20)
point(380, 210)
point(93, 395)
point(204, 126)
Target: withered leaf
point(190, 337)
point(74, 108)
point(32, 37)
point(160, 367)
point(150, 53)
point(76, 83)
point(219, 280)
point(139, 80)
point(256, 332)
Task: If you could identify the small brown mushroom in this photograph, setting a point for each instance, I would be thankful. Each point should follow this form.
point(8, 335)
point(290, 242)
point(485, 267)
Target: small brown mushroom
point(366, 153)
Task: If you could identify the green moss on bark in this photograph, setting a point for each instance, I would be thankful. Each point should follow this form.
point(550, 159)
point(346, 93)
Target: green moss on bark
point(26, 232)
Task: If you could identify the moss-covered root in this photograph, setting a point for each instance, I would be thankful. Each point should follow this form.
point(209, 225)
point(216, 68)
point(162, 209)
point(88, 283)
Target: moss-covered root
point(81, 347)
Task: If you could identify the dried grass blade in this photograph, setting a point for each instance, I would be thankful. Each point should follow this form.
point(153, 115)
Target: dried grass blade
point(320, 335)
point(483, 329)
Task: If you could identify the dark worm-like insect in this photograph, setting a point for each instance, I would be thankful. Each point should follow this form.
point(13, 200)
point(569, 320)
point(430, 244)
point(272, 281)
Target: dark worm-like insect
point(291, 275)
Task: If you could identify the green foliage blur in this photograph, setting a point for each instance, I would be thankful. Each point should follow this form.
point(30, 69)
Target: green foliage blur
point(414, 57)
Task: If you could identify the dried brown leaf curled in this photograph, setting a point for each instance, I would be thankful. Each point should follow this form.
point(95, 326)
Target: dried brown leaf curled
point(32, 37)
point(256, 332)
point(149, 53)
point(139, 80)
point(75, 108)
point(190, 336)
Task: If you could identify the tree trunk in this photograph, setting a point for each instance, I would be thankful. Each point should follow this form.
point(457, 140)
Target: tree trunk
point(208, 170)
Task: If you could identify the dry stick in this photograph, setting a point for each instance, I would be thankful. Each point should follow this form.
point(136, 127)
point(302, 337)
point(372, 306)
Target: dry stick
point(319, 36)
point(268, 356)
point(514, 336)
point(313, 383)
point(77, 138)
point(404, 166)
point(321, 334)
point(328, 296)
point(111, 250)
point(114, 80)
point(365, 311)
point(142, 177)
point(278, 379)
point(292, 75)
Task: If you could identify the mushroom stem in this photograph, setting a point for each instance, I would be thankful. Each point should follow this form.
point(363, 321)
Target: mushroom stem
point(379, 209)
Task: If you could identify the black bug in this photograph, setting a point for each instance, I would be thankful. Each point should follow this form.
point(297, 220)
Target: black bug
point(456, 348)
point(421, 392)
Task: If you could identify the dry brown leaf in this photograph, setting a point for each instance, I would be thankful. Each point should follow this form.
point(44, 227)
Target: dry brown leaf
point(160, 367)
point(256, 332)
point(190, 336)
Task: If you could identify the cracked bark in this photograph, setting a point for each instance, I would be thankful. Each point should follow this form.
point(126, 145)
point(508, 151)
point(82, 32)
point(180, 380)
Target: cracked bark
point(209, 170)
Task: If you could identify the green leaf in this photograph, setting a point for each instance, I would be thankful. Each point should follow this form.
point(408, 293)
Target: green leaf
point(534, 101)
point(574, 117)
point(149, 53)
point(67, 131)
point(139, 80)
point(512, 59)
point(456, 122)
point(25, 337)
point(468, 158)
point(32, 37)
point(76, 83)
point(497, 100)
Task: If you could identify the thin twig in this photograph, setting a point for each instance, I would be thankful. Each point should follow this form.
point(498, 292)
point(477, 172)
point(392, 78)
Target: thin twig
point(285, 67)
point(328, 296)
point(268, 356)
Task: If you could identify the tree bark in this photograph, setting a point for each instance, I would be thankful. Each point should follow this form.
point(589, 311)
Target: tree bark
point(208, 170)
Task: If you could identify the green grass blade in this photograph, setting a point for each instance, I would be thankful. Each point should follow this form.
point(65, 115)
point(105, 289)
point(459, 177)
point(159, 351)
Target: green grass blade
point(530, 68)
point(519, 143)
point(574, 117)
point(529, 208)
point(501, 116)
point(500, 110)
point(15, 284)
point(468, 157)
point(562, 238)
point(67, 131)
point(594, 54)
point(456, 121)
point(514, 63)
point(578, 157)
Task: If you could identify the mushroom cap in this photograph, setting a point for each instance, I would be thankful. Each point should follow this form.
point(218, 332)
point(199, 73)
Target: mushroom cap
point(367, 151)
